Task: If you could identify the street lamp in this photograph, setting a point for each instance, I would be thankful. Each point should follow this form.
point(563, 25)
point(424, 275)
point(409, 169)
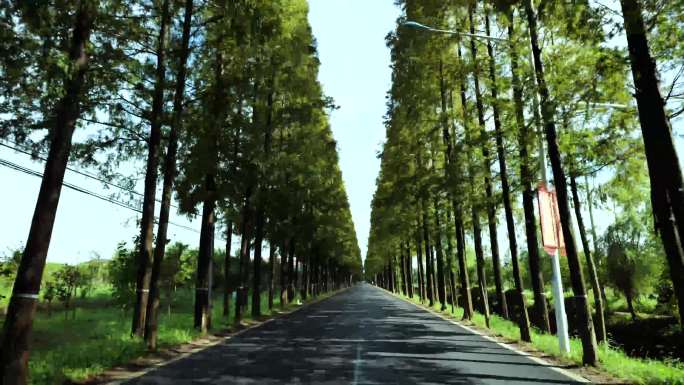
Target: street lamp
point(423, 27)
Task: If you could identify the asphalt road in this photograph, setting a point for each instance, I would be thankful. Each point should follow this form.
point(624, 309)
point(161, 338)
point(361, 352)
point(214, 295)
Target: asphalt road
point(361, 336)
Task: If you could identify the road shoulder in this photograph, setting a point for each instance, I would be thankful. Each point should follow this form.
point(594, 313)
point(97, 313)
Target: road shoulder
point(565, 367)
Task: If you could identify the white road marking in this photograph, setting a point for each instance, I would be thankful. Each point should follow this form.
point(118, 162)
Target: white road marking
point(357, 364)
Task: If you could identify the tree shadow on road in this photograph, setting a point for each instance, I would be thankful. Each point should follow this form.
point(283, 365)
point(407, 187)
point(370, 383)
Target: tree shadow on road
point(361, 336)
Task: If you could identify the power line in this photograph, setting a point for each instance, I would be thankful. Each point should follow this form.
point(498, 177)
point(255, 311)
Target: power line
point(82, 173)
point(20, 168)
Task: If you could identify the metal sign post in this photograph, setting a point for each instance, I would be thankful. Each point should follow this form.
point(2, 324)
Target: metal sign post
point(559, 306)
point(552, 240)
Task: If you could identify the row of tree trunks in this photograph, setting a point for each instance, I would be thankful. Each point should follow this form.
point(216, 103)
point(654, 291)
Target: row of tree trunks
point(524, 139)
point(486, 159)
point(17, 329)
point(474, 210)
point(523, 320)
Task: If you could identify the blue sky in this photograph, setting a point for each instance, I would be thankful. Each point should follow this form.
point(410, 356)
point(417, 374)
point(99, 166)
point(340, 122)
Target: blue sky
point(355, 72)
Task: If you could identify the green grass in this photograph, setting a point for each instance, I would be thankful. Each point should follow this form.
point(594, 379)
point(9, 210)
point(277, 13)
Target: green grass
point(612, 360)
point(64, 348)
point(99, 338)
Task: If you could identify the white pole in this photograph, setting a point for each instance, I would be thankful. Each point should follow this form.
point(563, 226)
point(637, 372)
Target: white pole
point(559, 305)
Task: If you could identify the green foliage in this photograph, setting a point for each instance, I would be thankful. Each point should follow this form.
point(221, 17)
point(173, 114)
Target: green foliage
point(49, 291)
point(9, 263)
point(67, 280)
point(177, 267)
point(121, 275)
point(633, 259)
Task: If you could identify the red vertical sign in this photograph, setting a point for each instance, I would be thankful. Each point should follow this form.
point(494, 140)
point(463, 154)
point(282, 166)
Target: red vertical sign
point(552, 234)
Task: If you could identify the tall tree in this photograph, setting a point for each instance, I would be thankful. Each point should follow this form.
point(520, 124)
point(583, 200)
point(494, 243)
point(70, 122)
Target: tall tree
point(17, 328)
point(145, 252)
point(667, 186)
point(523, 319)
point(486, 159)
point(524, 140)
point(151, 319)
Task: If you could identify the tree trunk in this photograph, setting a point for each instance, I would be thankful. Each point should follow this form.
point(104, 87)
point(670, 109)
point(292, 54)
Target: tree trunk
point(463, 264)
point(477, 231)
point(292, 271)
point(426, 238)
point(304, 288)
point(524, 138)
point(315, 285)
point(204, 259)
point(393, 281)
point(151, 173)
point(594, 238)
point(256, 277)
point(630, 305)
point(441, 287)
point(505, 187)
point(271, 275)
point(16, 333)
point(591, 266)
point(585, 323)
point(241, 292)
point(295, 284)
point(409, 269)
point(227, 289)
point(402, 270)
point(490, 204)
point(151, 324)
point(421, 273)
point(590, 205)
point(283, 274)
point(450, 266)
point(667, 188)
point(477, 234)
